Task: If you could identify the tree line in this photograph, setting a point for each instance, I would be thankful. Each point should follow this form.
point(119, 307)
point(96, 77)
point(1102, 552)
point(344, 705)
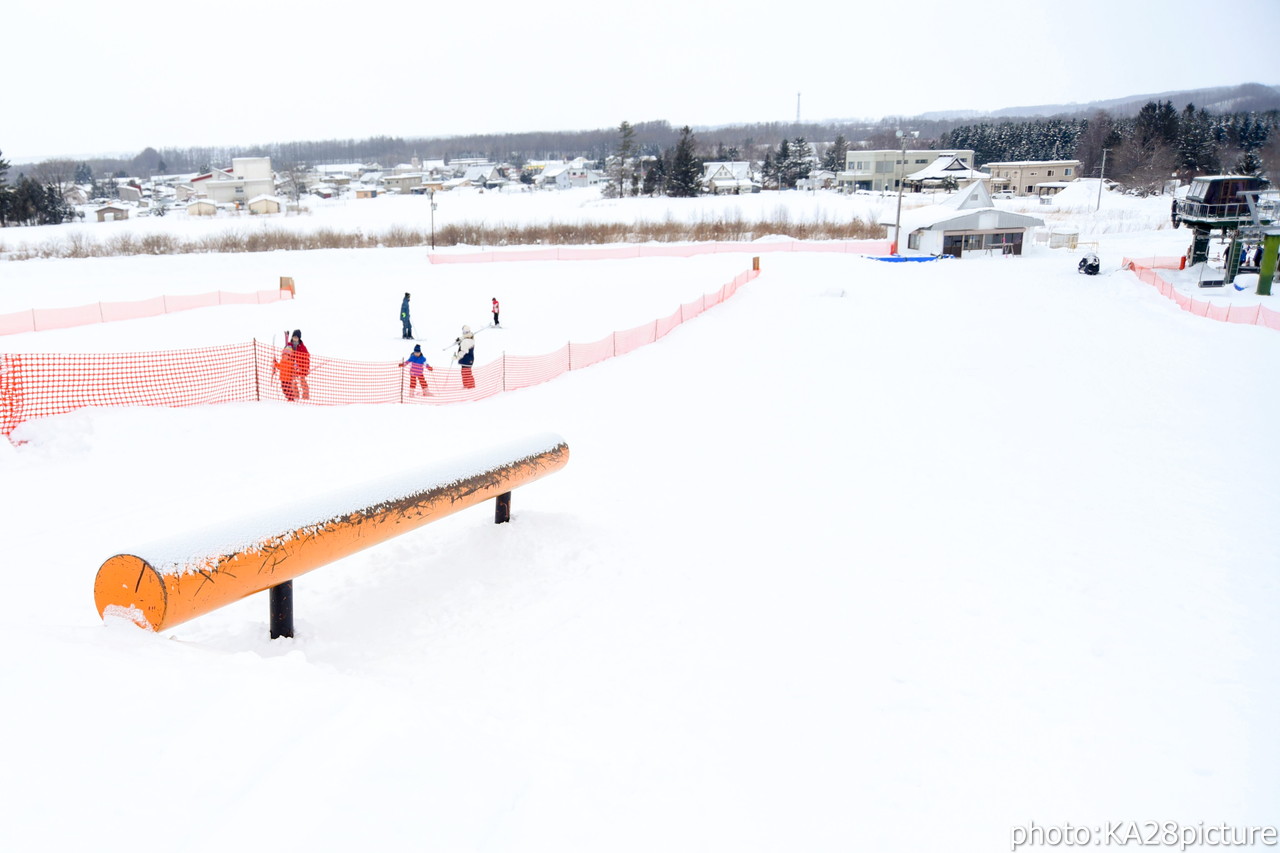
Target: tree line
point(30, 201)
point(653, 158)
point(1142, 152)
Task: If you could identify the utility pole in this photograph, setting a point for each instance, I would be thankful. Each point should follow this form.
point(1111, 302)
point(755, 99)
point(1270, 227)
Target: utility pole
point(1101, 174)
point(431, 195)
point(897, 220)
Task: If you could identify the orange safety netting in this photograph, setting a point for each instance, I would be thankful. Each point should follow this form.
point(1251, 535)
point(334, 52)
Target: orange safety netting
point(45, 319)
point(34, 385)
point(1248, 315)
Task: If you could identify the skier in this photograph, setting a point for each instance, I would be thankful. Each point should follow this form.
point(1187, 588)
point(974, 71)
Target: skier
point(466, 356)
point(287, 368)
point(407, 327)
point(1088, 264)
point(495, 311)
point(301, 363)
point(417, 361)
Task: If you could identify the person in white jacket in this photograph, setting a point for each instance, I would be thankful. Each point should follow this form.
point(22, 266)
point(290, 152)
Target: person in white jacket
point(466, 356)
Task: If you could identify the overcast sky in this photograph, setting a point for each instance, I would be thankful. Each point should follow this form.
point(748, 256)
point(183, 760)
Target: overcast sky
point(108, 78)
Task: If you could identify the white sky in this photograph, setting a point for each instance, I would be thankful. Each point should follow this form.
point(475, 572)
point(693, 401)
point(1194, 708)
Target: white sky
point(114, 78)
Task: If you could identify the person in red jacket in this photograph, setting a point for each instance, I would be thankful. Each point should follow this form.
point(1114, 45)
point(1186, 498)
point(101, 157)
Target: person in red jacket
point(301, 363)
point(287, 368)
point(495, 310)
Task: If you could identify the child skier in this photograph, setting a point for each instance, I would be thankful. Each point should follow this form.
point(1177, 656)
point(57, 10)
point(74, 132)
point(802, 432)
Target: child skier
point(466, 356)
point(417, 361)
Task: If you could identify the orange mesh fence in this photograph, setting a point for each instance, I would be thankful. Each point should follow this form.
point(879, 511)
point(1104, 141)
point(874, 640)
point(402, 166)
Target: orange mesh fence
point(34, 385)
point(38, 384)
point(46, 319)
point(1147, 270)
point(585, 355)
point(527, 371)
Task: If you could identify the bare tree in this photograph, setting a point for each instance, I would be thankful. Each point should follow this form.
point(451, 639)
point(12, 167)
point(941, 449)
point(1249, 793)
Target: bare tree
point(59, 174)
point(1144, 168)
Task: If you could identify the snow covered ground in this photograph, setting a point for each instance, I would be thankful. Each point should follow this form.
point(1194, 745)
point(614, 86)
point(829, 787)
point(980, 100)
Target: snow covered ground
point(888, 557)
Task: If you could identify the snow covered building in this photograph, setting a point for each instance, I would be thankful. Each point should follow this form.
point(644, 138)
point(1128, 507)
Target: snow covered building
point(881, 170)
point(965, 222)
point(1021, 177)
point(265, 204)
point(402, 182)
point(575, 173)
point(948, 170)
point(112, 212)
point(248, 177)
point(728, 177)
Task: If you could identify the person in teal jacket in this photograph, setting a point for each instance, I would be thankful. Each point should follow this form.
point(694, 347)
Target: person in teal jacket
point(406, 326)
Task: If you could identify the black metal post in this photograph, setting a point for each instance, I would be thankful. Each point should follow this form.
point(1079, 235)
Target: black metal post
point(282, 610)
point(502, 508)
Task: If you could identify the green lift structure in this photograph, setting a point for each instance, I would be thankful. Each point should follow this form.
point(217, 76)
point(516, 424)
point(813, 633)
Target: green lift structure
point(1243, 208)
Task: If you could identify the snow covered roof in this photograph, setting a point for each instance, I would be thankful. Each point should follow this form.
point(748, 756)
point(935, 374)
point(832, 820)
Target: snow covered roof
point(947, 166)
point(968, 210)
point(718, 170)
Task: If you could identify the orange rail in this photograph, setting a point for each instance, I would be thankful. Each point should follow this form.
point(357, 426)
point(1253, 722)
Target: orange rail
point(188, 578)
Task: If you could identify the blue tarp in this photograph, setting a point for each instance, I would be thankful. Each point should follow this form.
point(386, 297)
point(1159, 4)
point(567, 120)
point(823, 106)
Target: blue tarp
point(896, 259)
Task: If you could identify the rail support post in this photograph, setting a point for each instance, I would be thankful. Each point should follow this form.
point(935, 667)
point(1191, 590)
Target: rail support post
point(502, 508)
point(282, 610)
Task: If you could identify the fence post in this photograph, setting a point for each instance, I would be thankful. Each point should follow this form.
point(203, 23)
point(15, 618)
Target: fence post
point(257, 386)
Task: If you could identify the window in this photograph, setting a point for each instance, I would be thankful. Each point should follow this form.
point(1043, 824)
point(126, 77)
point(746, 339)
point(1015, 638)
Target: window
point(1049, 173)
point(1067, 172)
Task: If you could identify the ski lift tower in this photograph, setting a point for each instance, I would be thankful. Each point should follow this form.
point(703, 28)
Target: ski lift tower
point(1236, 205)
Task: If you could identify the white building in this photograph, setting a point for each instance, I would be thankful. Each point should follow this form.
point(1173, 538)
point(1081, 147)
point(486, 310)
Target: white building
point(1021, 177)
point(248, 177)
point(965, 222)
point(882, 170)
point(728, 177)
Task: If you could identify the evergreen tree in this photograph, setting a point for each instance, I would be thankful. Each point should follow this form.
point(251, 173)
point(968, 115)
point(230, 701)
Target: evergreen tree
point(1197, 151)
point(84, 175)
point(837, 154)
point(6, 196)
point(623, 168)
point(799, 162)
point(655, 177)
point(686, 170)
point(782, 163)
point(1156, 122)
